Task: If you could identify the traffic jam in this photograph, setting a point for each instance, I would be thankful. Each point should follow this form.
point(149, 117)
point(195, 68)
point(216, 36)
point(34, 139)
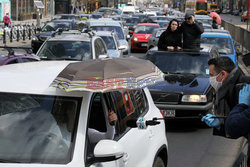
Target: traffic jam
point(140, 84)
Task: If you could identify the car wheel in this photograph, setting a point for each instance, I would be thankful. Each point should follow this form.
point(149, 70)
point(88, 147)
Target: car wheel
point(159, 162)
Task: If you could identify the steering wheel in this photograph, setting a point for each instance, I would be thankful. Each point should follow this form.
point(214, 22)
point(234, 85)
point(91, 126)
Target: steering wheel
point(46, 143)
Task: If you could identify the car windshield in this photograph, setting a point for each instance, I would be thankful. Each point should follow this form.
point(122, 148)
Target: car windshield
point(224, 45)
point(52, 26)
point(116, 29)
point(176, 62)
point(205, 21)
point(37, 129)
point(163, 24)
point(145, 29)
point(132, 20)
point(65, 50)
point(201, 6)
point(109, 41)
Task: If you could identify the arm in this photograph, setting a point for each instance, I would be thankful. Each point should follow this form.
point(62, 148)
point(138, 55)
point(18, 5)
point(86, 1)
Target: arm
point(238, 121)
point(162, 45)
point(199, 27)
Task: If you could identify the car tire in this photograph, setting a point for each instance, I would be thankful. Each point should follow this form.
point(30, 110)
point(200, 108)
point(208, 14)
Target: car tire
point(158, 162)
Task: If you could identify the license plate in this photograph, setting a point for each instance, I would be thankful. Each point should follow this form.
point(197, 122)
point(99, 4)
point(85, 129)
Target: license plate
point(169, 113)
point(144, 44)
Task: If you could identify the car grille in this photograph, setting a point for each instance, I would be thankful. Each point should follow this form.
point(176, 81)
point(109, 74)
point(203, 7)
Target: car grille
point(42, 38)
point(142, 44)
point(163, 97)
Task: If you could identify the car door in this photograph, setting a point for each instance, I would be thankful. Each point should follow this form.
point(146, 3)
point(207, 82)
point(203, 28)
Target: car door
point(100, 48)
point(131, 104)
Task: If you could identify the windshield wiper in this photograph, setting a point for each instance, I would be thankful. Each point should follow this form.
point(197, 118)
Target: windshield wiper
point(8, 161)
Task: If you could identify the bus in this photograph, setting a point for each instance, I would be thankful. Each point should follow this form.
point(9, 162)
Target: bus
point(197, 6)
point(213, 7)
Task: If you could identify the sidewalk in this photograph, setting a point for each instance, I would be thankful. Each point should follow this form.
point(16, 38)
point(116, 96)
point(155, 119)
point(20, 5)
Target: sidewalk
point(34, 21)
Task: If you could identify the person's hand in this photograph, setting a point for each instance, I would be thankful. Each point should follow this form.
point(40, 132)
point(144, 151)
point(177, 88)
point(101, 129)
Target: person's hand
point(179, 48)
point(112, 117)
point(211, 122)
point(244, 95)
point(170, 48)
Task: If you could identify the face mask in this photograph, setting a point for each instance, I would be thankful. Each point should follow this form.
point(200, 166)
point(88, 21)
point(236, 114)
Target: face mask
point(214, 83)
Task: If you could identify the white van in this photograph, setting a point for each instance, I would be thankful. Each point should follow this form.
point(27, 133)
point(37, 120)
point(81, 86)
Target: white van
point(129, 10)
point(42, 126)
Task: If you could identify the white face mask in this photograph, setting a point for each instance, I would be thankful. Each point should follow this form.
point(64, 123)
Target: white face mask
point(214, 83)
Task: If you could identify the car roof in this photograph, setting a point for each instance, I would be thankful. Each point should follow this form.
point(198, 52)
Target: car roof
point(148, 24)
point(216, 33)
point(103, 33)
point(103, 22)
point(32, 77)
point(71, 37)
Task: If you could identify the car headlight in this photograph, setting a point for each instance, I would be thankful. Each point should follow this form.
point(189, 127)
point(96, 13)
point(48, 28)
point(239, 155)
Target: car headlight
point(194, 98)
point(34, 38)
point(135, 39)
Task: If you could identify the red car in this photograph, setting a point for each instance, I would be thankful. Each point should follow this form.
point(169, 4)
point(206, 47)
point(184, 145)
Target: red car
point(142, 33)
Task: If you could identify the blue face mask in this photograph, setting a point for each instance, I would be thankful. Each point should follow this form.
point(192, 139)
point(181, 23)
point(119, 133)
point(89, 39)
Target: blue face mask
point(214, 83)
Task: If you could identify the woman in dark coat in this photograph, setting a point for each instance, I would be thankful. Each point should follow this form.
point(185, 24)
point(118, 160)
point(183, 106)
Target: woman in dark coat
point(171, 38)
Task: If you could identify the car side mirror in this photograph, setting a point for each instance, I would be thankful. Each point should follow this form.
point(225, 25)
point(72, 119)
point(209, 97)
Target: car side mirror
point(39, 29)
point(122, 47)
point(128, 36)
point(103, 56)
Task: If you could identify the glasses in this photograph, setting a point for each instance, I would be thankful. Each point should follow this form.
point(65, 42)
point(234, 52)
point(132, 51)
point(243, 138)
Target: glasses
point(189, 18)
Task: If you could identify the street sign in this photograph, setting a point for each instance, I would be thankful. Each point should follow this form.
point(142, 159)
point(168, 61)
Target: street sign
point(39, 4)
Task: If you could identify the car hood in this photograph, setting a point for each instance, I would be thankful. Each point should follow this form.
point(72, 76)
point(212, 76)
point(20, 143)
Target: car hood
point(142, 36)
point(179, 83)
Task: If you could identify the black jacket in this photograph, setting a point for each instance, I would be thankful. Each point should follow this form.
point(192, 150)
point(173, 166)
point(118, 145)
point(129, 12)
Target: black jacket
point(191, 35)
point(169, 38)
point(238, 124)
point(227, 97)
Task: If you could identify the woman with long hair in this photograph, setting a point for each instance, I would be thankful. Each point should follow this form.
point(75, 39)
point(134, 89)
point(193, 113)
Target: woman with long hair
point(171, 38)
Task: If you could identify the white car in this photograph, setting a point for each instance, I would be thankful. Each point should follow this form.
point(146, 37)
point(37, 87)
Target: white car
point(42, 126)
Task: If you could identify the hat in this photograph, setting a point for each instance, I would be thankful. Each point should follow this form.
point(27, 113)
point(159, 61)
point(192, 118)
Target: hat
point(188, 15)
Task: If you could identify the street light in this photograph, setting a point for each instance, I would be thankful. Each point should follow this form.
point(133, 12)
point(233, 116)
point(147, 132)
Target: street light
point(39, 5)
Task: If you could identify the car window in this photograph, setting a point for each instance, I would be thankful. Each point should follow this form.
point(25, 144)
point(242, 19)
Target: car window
point(145, 29)
point(109, 41)
point(99, 48)
point(128, 104)
point(42, 125)
point(75, 50)
point(116, 29)
point(52, 26)
point(174, 62)
point(224, 45)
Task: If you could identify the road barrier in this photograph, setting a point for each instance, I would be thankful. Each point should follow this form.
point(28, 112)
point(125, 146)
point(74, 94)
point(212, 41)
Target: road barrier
point(240, 35)
point(17, 32)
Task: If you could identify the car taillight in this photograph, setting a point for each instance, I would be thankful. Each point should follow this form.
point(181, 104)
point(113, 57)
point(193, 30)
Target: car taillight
point(163, 116)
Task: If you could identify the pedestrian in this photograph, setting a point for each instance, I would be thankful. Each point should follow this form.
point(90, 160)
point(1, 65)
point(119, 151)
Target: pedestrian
point(6, 20)
point(171, 38)
point(224, 77)
point(191, 31)
point(238, 120)
point(75, 10)
point(214, 22)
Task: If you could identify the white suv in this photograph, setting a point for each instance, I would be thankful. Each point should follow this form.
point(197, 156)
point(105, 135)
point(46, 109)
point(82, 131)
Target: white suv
point(41, 126)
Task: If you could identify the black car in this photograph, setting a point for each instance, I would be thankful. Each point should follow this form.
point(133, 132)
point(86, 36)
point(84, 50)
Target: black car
point(186, 91)
point(49, 28)
point(153, 40)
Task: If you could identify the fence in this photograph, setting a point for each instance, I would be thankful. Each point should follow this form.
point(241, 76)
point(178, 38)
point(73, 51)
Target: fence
point(240, 35)
point(17, 33)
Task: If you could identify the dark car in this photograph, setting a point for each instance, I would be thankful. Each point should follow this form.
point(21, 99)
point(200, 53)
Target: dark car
point(153, 40)
point(186, 91)
point(17, 55)
point(48, 29)
point(131, 23)
point(66, 17)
